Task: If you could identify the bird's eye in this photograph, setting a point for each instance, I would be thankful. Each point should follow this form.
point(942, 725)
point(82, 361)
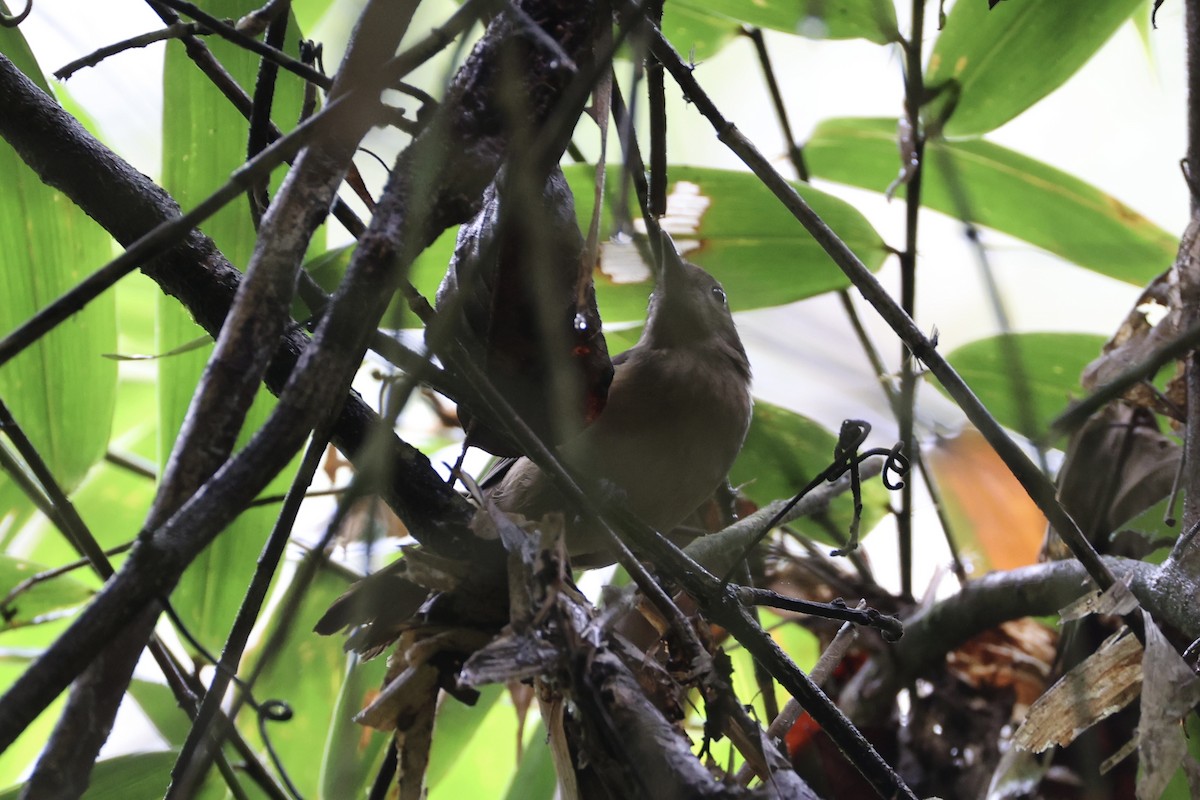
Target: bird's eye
point(719, 293)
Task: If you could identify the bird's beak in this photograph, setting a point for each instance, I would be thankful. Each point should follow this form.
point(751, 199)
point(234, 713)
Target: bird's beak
point(670, 277)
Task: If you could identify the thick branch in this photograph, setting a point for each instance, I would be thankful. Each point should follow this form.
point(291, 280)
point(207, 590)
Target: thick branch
point(433, 184)
point(128, 205)
point(1037, 590)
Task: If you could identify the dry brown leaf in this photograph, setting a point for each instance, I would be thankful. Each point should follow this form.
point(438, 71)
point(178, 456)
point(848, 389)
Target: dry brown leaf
point(987, 506)
point(1118, 464)
point(1098, 687)
point(1017, 654)
point(1154, 320)
point(402, 700)
point(1169, 692)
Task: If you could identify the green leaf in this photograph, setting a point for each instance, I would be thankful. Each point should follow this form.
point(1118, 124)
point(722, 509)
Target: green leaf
point(133, 777)
point(783, 452)
point(800, 644)
point(731, 225)
point(1051, 362)
point(42, 600)
point(874, 20)
point(20, 649)
point(991, 64)
point(59, 390)
point(1004, 190)
point(204, 141)
point(308, 672)
point(353, 753)
point(535, 778)
point(742, 235)
point(159, 703)
point(696, 34)
point(455, 728)
point(489, 753)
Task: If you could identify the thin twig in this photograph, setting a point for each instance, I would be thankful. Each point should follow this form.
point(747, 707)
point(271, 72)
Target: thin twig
point(891, 627)
point(1078, 412)
point(57, 572)
point(889, 390)
point(795, 152)
point(656, 91)
point(260, 115)
point(1013, 359)
point(176, 31)
point(232, 34)
point(192, 762)
point(913, 151)
point(830, 658)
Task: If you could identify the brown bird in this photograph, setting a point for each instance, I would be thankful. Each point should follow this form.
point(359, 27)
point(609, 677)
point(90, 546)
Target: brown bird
point(677, 414)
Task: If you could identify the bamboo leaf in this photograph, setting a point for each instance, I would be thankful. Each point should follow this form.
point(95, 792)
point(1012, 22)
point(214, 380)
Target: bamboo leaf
point(1001, 189)
point(60, 390)
point(1051, 362)
point(204, 140)
point(990, 64)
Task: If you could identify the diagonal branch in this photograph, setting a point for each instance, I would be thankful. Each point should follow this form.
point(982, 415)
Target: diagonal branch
point(434, 183)
point(128, 204)
point(1039, 488)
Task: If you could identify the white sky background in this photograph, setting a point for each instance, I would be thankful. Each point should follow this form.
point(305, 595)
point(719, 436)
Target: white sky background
point(1118, 124)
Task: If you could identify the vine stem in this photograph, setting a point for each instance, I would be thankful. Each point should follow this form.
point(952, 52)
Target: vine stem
point(913, 153)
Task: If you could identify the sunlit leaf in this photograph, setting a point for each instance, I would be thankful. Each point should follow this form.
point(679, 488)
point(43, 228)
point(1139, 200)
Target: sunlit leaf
point(728, 223)
point(1051, 363)
point(457, 724)
point(141, 776)
point(489, 754)
point(783, 452)
point(535, 778)
point(60, 390)
point(1004, 190)
point(159, 704)
point(989, 65)
point(696, 34)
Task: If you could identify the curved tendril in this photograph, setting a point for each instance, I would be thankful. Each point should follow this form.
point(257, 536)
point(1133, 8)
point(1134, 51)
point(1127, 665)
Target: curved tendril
point(7, 21)
point(896, 463)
